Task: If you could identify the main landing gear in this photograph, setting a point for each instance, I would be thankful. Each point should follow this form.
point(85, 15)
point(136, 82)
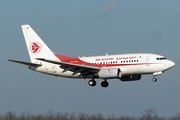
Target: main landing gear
point(103, 83)
point(92, 82)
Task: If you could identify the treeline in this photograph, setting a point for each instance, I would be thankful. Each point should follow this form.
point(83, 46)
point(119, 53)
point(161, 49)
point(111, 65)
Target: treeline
point(148, 114)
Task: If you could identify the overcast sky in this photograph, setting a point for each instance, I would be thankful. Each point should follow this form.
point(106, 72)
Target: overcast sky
point(89, 28)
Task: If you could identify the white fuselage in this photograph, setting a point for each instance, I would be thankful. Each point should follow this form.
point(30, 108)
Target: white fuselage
point(129, 64)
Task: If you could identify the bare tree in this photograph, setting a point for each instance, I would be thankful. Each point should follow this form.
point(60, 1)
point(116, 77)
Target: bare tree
point(150, 114)
point(175, 117)
point(10, 115)
point(82, 116)
point(50, 115)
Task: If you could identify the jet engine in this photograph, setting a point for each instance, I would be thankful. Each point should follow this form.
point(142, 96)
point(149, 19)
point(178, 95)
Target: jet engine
point(131, 78)
point(109, 73)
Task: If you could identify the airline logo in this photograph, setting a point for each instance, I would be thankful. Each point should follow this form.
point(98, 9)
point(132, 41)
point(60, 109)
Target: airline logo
point(35, 47)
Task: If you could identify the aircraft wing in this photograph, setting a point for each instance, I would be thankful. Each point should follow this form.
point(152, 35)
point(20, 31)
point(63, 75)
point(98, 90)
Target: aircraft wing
point(86, 71)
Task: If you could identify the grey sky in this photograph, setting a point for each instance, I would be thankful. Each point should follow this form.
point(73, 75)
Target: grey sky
point(89, 28)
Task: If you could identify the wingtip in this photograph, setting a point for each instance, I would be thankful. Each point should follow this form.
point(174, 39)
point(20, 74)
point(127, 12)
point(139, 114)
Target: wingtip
point(7, 59)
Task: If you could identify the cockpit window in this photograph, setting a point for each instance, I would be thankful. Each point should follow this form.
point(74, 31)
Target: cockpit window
point(161, 58)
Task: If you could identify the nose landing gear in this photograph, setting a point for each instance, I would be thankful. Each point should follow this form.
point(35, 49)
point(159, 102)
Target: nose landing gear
point(154, 79)
point(155, 74)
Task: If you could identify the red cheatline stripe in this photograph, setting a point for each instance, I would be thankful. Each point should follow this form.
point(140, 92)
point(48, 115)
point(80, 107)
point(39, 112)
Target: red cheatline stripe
point(78, 61)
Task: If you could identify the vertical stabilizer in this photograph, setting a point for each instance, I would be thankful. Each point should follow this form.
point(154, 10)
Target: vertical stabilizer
point(36, 47)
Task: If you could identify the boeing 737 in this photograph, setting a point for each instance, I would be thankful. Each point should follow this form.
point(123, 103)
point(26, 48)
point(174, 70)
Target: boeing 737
point(126, 67)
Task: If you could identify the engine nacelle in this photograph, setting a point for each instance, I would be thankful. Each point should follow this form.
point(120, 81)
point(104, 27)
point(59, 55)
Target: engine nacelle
point(109, 73)
point(131, 78)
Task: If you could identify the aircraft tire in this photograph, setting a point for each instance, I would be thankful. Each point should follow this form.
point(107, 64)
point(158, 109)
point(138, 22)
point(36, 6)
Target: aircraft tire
point(154, 79)
point(104, 84)
point(92, 83)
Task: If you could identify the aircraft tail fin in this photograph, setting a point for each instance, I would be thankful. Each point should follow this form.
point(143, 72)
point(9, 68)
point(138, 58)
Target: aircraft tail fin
point(35, 45)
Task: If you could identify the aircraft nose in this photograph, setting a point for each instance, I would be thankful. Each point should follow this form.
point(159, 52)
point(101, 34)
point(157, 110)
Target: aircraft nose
point(171, 64)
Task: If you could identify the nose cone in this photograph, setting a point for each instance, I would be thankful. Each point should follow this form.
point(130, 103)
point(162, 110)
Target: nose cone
point(171, 64)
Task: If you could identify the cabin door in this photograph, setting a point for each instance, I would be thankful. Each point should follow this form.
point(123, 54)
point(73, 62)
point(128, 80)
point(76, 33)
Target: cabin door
point(147, 60)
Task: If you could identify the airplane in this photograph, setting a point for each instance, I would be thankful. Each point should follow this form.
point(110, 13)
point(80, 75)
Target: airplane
point(126, 67)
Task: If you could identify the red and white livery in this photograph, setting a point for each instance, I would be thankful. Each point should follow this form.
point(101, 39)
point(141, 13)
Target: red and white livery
point(126, 67)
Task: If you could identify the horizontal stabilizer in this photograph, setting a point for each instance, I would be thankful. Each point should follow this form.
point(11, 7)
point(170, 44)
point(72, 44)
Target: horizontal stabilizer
point(24, 63)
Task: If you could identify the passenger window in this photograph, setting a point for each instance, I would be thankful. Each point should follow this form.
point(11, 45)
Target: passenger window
point(134, 60)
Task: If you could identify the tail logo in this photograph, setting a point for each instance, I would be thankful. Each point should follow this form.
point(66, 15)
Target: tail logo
point(35, 47)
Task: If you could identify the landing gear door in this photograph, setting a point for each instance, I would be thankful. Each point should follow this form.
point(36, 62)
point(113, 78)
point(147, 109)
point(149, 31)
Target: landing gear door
point(147, 60)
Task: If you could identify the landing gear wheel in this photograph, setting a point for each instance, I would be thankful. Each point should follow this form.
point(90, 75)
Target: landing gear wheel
point(154, 79)
point(104, 84)
point(92, 82)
